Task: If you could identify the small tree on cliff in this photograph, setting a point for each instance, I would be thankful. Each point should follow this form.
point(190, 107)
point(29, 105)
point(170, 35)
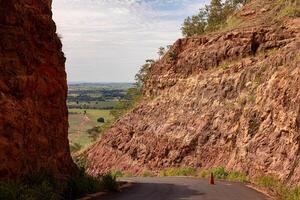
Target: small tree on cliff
point(142, 74)
point(161, 51)
point(210, 18)
point(195, 25)
point(215, 16)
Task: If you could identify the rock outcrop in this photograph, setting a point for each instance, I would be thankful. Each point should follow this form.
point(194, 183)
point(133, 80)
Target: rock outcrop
point(226, 99)
point(33, 112)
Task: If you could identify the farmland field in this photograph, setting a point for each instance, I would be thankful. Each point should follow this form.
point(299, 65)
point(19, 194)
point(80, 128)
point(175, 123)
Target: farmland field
point(80, 123)
point(89, 102)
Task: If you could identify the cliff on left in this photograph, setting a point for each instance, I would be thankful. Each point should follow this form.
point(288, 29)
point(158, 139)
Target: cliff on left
point(33, 89)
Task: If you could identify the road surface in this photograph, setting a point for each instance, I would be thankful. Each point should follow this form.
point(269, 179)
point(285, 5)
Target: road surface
point(183, 188)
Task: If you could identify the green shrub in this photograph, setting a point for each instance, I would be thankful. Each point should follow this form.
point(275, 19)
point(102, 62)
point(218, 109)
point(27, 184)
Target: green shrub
point(172, 56)
point(127, 174)
point(293, 194)
point(204, 173)
point(182, 171)
point(117, 173)
point(268, 182)
point(147, 174)
point(75, 147)
point(252, 98)
point(108, 182)
point(212, 17)
point(237, 176)
point(272, 184)
point(290, 11)
point(219, 173)
point(83, 184)
point(40, 186)
point(44, 186)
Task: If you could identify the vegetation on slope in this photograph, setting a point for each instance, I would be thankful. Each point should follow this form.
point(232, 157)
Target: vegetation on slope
point(267, 183)
point(44, 186)
point(211, 18)
point(220, 15)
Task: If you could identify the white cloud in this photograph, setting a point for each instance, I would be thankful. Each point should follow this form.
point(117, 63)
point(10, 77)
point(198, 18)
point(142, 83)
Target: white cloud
point(106, 40)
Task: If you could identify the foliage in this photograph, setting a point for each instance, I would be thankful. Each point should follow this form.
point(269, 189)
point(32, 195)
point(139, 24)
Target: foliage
point(219, 173)
point(210, 18)
point(278, 188)
point(101, 120)
point(161, 51)
point(44, 186)
point(172, 56)
point(237, 176)
point(142, 74)
point(132, 96)
point(94, 132)
point(127, 174)
point(96, 95)
point(83, 184)
point(75, 147)
point(215, 15)
point(195, 25)
point(147, 174)
point(252, 98)
point(117, 173)
point(182, 171)
point(290, 11)
point(222, 173)
point(108, 182)
point(268, 182)
point(41, 186)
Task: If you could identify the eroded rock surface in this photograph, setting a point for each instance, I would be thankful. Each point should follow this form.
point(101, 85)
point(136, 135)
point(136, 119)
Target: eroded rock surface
point(227, 99)
point(33, 112)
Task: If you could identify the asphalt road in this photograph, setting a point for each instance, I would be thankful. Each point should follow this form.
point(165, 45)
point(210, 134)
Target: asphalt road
point(182, 188)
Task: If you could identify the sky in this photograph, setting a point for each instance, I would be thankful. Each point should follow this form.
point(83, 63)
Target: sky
point(107, 40)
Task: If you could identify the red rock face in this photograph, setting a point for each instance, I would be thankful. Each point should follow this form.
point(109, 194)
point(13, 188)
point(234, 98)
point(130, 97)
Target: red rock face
point(33, 113)
point(228, 99)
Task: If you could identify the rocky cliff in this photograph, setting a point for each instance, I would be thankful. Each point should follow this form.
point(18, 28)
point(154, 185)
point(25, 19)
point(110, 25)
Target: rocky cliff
point(229, 99)
point(33, 113)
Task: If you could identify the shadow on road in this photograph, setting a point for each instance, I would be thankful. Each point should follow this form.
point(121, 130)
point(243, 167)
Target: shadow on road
point(154, 191)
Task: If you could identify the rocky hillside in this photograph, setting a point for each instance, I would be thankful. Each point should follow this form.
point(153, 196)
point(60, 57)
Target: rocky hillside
point(33, 113)
point(230, 98)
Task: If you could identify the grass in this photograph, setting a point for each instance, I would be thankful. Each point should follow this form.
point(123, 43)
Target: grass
point(252, 98)
point(79, 125)
point(148, 174)
point(182, 171)
point(290, 11)
point(222, 174)
point(277, 188)
point(268, 183)
point(101, 105)
point(93, 114)
point(117, 173)
point(219, 173)
point(257, 79)
point(231, 23)
point(44, 186)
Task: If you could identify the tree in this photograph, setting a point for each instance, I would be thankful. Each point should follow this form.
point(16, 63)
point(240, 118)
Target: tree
point(131, 97)
point(195, 25)
point(215, 16)
point(161, 51)
point(231, 6)
point(210, 18)
point(101, 120)
point(142, 74)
